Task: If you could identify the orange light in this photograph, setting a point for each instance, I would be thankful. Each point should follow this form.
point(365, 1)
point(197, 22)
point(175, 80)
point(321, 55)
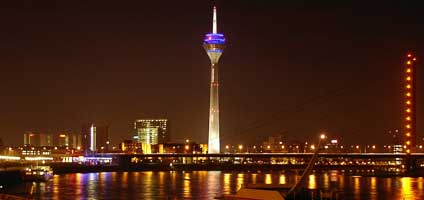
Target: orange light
point(408, 86)
point(408, 62)
point(408, 102)
point(408, 70)
point(408, 142)
point(408, 94)
point(408, 151)
point(408, 134)
point(408, 110)
point(408, 118)
point(408, 78)
point(409, 55)
point(408, 126)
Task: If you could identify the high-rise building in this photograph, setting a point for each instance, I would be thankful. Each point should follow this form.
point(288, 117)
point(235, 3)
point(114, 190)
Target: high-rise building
point(62, 139)
point(88, 133)
point(409, 78)
point(38, 139)
point(75, 141)
point(150, 132)
point(102, 138)
point(214, 44)
point(95, 138)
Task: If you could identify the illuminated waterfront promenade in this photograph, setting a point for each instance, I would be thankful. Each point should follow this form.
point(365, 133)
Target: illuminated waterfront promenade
point(389, 163)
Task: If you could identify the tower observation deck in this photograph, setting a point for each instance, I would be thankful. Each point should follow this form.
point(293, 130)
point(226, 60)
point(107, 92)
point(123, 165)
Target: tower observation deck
point(214, 44)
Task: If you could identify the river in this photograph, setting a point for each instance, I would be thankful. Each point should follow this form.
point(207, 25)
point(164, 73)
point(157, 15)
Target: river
point(209, 184)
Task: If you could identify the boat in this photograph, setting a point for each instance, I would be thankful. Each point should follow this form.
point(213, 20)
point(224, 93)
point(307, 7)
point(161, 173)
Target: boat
point(37, 173)
point(276, 191)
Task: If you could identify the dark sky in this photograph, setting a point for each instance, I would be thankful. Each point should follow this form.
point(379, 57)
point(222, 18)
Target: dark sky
point(296, 68)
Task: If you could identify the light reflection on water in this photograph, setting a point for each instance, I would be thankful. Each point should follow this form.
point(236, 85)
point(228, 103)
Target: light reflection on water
point(373, 188)
point(240, 179)
point(312, 184)
point(211, 184)
point(283, 179)
point(357, 187)
point(407, 192)
point(268, 179)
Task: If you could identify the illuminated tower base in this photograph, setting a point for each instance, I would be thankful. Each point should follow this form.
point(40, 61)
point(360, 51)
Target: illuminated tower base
point(214, 44)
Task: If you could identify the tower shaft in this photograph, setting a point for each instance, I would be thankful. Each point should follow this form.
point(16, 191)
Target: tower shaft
point(214, 142)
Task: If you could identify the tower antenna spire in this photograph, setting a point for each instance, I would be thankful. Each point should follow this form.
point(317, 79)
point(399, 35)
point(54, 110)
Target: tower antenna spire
point(214, 27)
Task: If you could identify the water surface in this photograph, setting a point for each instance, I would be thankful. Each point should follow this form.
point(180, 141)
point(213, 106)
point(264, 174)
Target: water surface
point(209, 184)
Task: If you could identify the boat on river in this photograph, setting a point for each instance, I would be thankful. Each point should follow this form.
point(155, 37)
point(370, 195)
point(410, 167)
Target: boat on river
point(276, 191)
point(37, 173)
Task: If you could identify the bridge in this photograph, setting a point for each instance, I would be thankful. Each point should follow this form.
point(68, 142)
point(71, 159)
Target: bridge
point(269, 155)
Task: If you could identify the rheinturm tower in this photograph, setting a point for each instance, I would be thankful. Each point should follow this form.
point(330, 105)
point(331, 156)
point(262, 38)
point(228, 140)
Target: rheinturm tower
point(214, 44)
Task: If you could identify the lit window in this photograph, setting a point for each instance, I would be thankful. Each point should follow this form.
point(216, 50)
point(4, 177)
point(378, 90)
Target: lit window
point(408, 102)
point(408, 94)
point(408, 134)
point(408, 70)
point(408, 126)
point(408, 142)
point(408, 110)
point(408, 118)
point(408, 78)
point(408, 86)
point(408, 62)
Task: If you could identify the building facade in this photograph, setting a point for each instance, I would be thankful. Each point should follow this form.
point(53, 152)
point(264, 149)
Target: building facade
point(151, 132)
point(38, 139)
point(94, 138)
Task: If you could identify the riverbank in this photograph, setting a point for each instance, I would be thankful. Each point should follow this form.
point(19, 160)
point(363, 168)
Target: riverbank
point(363, 170)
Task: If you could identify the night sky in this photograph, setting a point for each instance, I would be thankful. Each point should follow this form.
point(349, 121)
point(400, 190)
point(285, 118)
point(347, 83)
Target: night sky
point(292, 68)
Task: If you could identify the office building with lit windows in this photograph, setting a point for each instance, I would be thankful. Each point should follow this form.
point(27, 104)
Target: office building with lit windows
point(150, 132)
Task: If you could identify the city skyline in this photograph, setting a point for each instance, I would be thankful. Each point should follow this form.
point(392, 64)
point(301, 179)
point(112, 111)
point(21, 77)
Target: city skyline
point(114, 67)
